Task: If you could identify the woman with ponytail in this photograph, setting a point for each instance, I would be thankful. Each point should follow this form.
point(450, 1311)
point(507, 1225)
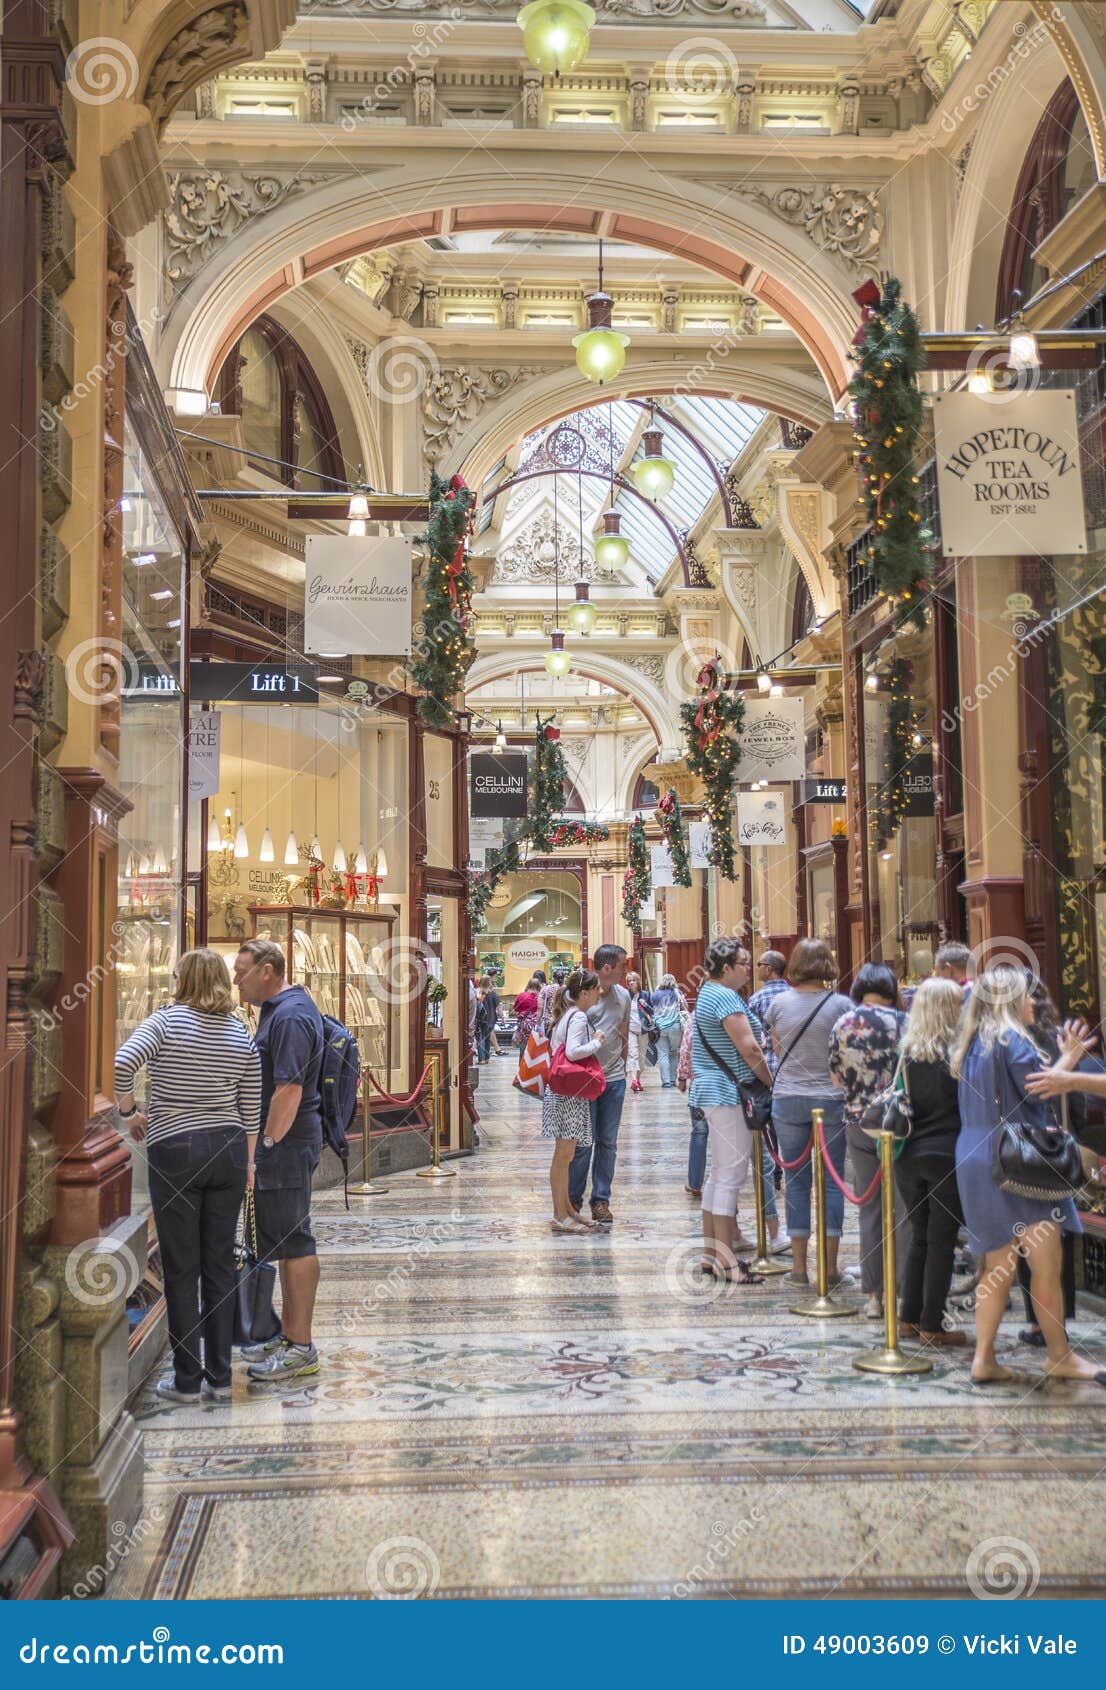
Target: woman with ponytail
point(567, 1120)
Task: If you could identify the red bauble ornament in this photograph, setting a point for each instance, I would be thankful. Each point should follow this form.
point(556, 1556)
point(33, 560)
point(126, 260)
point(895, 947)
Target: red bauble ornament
point(458, 484)
point(551, 733)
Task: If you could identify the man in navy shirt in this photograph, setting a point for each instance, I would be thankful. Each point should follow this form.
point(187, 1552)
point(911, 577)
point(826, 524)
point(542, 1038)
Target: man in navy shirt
point(290, 1044)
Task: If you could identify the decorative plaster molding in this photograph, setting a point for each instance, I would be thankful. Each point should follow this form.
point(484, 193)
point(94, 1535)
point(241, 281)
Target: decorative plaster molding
point(646, 664)
point(533, 556)
point(633, 11)
point(208, 207)
point(846, 222)
point(453, 398)
point(209, 43)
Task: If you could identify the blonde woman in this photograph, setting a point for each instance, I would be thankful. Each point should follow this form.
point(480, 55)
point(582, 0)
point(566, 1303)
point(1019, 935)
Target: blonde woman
point(200, 1125)
point(926, 1169)
point(992, 1061)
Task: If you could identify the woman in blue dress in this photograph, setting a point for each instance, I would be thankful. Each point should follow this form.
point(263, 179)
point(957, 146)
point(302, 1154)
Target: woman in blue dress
point(992, 1063)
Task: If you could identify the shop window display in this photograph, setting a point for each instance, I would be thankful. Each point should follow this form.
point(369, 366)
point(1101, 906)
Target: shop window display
point(534, 922)
point(306, 841)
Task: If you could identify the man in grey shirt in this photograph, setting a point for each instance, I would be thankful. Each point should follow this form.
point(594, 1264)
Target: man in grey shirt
point(611, 1017)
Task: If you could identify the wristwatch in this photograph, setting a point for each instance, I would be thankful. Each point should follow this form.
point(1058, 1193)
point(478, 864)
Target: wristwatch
point(125, 1114)
point(267, 1141)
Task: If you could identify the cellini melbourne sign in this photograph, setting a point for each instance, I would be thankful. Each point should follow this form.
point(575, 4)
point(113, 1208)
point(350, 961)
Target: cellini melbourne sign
point(357, 598)
point(497, 784)
point(1008, 473)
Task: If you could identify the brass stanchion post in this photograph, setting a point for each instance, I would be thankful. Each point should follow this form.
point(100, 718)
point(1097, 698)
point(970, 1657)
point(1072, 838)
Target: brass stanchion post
point(435, 1170)
point(368, 1186)
point(764, 1263)
point(890, 1359)
point(823, 1307)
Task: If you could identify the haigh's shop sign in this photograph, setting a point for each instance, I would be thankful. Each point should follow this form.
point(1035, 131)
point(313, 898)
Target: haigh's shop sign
point(1008, 473)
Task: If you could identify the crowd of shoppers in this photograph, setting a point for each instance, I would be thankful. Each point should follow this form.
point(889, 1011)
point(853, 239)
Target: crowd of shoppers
point(966, 1058)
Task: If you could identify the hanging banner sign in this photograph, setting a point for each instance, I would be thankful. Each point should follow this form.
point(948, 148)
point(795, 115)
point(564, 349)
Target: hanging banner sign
point(661, 872)
point(203, 754)
point(823, 789)
point(917, 785)
point(773, 740)
point(357, 596)
point(761, 818)
point(698, 843)
point(484, 835)
point(1008, 473)
point(497, 783)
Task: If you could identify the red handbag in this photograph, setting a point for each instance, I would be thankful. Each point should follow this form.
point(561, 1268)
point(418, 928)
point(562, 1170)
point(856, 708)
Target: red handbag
point(584, 1079)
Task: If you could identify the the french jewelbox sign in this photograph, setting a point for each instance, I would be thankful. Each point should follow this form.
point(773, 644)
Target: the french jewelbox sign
point(357, 598)
point(773, 740)
point(1008, 473)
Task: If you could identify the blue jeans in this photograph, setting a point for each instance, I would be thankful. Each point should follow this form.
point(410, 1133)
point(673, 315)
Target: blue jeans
point(697, 1163)
point(668, 1052)
point(606, 1113)
point(792, 1119)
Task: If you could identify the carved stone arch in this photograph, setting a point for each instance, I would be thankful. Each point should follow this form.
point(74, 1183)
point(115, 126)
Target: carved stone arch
point(552, 394)
point(661, 712)
point(1079, 32)
point(737, 239)
point(999, 146)
point(335, 363)
point(190, 43)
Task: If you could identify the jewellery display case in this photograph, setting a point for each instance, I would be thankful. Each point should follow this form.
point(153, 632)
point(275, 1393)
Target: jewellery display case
point(146, 951)
point(342, 959)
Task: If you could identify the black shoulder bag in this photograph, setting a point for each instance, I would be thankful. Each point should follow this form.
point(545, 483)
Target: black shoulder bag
point(756, 1097)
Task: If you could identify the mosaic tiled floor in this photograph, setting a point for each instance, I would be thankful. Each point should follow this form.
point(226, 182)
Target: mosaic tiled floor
point(502, 1412)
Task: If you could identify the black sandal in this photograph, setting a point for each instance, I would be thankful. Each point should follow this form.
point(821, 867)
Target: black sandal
point(746, 1276)
point(1033, 1336)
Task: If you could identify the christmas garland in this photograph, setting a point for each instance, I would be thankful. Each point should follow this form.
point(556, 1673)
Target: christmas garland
point(671, 818)
point(445, 648)
point(889, 354)
point(903, 727)
point(712, 722)
point(547, 792)
point(483, 882)
point(571, 832)
point(638, 882)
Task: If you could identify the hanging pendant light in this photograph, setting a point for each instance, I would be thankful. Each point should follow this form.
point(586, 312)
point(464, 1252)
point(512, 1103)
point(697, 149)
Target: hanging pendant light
point(601, 349)
point(500, 738)
point(555, 33)
point(581, 615)
point(214, 834)
point(266, 854)
point(654, 474)
point(557, 660)
point(361, 860)
point(338, 862)
point(381, 868)
point(241, 842)
point(316, 848)
point(612, 549)
point(358, 505)
point(291, 851)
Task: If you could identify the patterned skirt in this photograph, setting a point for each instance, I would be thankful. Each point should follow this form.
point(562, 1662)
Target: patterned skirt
point(565, 1117)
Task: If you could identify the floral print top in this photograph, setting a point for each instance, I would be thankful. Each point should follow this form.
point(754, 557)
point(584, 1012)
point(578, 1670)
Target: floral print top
point(864, 1047)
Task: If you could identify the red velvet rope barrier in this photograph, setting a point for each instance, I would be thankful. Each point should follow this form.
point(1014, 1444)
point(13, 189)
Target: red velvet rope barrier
point(850, 1196)
point(788, 1167)
point(399, 1102)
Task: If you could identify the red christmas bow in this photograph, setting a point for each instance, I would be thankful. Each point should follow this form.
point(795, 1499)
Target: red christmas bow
point(867, 296)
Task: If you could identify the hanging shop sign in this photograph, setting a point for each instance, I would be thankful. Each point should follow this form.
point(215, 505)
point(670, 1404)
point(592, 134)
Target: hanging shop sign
point(1008, 473)
point(497, 783)
point(527, 953)
point(761, 818)
point(229, 683)
point(357, 597)
point(773, 740)
point(698, 844)
point(485, 834)
point(203, 754)
point(661, 872)
point(823, 789)
point(917, 785)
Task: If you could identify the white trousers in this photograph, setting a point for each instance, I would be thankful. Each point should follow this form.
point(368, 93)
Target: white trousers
point(635, 1055)
point(729, 1144)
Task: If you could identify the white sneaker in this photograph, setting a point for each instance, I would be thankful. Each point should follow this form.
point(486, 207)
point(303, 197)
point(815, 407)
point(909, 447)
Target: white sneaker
point(780, 1245)
point(873, 1306)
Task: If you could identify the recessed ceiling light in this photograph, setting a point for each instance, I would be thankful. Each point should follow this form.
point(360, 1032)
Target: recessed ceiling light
point(163, 593)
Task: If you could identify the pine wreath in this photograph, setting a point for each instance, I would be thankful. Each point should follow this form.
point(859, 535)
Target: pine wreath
point(638, 881)
point(671, 818)
point(889, 354)
point(445, 648)
point(903, 730)
point(548, 777)
point(569, 831)
point(712, 722)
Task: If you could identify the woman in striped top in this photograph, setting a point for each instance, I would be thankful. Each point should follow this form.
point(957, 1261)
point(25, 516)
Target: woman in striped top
point(200, 1125)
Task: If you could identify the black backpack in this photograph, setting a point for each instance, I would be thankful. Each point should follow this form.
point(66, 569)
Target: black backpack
point(339, 1075)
